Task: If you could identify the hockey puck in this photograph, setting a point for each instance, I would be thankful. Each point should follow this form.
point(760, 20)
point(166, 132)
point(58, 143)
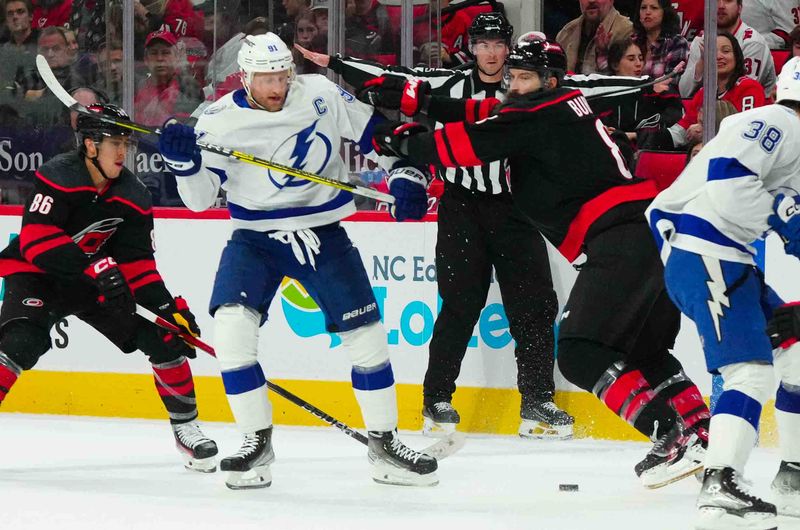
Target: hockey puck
point(567, 487)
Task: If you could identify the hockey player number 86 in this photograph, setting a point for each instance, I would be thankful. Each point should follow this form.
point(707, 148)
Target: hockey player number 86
point(41, 203)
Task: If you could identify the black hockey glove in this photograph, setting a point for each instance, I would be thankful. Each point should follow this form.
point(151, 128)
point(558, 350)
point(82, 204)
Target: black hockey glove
point(113, 290)
point(397, 93)
point(388, 136)
point(177, 312)
point(783, 329)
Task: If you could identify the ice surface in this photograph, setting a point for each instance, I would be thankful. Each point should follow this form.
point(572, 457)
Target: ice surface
point(61, 472)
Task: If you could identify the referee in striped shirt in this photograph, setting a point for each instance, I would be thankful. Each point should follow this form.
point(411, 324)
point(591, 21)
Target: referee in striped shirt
point(480, 228)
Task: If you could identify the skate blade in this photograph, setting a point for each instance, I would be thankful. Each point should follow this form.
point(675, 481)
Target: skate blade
point(390, 475)
point(539, 430)
point(665, 474)
point(446, 446)
point(256, 478)
point(431, 429)
point(709, 518)
point(787, 504)
point(201, 465)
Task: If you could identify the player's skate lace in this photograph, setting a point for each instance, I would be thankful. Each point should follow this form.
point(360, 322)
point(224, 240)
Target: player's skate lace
point(310, 241)
point(404, 452)
point(250, 444)
point(190, 434)
point(443, 406)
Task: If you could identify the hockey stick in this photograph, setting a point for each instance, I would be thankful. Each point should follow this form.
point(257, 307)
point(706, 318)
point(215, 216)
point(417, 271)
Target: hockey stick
point(666, 77)
point(57, 90)
point(439, 450)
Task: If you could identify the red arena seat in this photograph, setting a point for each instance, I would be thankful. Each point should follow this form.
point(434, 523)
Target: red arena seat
point(661, 166)
point(780, 57)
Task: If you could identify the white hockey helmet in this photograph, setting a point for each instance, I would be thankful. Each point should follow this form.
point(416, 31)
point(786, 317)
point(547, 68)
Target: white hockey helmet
point(789, 81)
point(264, 53)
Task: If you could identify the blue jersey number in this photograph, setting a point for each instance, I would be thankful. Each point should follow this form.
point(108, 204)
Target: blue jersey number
point(767, 137)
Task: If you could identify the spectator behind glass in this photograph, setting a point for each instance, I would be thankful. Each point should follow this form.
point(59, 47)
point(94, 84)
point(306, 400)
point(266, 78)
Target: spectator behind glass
point(657, 28)
point(223, 68)
point(758, 59)
point(692, 151)
point(53, 45)
point(638, 117)
point(733, 85)
point(22, 36)
point(52, 13)
point(794, 38)
point(17, 56)
point(368, 33)
point(319, 9)
point(305, 29)
point(166, 92)
point(177, 16)
point(587, 38)
point(109, 64)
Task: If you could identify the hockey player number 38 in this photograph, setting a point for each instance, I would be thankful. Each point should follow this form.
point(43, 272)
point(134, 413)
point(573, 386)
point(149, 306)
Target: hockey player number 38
point(768, 138)
point(41, 203)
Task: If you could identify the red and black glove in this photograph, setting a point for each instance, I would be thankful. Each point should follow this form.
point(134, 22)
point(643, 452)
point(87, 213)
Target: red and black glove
point(388, 136)
point(113, 290)
point(396, 92)
point(177, 312)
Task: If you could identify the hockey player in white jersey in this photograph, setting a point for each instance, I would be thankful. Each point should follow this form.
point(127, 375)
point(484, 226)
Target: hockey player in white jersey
point(774, 19)
point(742, 184)
point(289, 227)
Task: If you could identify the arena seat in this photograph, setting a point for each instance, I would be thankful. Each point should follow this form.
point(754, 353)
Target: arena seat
point(661, 166)
point(780, 57)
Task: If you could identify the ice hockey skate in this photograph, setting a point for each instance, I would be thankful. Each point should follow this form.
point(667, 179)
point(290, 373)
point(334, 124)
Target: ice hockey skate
point(439, 419)
point(786, 489)
point(249, 467)
point(197, 449)
point(543, 420)
point(723, 504)
point(676, 455)
point(394, 463)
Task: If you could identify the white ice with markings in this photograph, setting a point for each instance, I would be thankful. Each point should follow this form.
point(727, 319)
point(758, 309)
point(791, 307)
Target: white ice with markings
point(99, 473)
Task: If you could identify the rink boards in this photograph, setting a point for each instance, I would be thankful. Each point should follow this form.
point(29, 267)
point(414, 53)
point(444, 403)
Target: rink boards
point(85, 375)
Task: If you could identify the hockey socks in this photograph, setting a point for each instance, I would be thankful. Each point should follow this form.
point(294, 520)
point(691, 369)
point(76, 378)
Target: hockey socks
point(628, 394)
point(176, 387)
point(376, 395)
point(9, 372)
point(246, 388)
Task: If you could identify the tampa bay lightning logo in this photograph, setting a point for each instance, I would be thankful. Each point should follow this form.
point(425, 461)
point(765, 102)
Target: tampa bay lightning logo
point(310, 151)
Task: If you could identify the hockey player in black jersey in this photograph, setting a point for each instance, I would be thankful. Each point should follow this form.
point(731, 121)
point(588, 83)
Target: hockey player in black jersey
point(568, 177)
point(479, 229)
point(86, 249)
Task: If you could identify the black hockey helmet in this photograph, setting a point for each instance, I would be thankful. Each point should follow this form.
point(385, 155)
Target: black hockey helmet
point(542, 56)
point(96, 129)
point(491, 25)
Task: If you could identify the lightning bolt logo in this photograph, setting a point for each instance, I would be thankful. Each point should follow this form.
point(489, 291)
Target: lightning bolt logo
point(716, 289)
point(301, 147)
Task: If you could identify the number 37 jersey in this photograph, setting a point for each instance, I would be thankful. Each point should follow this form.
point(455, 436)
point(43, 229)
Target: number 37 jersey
point(720, 203)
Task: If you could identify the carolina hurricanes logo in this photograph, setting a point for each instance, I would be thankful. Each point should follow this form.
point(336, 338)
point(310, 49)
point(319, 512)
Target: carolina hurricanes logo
point(91, 238)
point(33, 302)
point(307, 146)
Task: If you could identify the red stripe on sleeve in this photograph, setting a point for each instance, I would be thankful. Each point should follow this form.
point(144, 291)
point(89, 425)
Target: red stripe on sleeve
point(135, 268)
point(36, 250)
point(571, 246)
point(486, 107)
point(471, 114)
point(132, 205)
point(463, 152)
point(441, 148)
point(14, 266)
point(145, 280)
point(32, 232)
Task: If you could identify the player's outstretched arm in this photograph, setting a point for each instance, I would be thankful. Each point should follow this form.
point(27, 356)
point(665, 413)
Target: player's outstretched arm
point(197, 186)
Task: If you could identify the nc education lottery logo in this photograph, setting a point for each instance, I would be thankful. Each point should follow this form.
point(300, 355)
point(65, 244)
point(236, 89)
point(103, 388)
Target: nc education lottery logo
point(302, 313)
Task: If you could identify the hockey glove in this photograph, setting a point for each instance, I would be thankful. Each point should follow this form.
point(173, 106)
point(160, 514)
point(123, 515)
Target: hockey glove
point(396, 92)
point(388, 136)
point(786, 223)
point(783, 329)
point(114, 293)
point(178, 143)
point(177, 312)
point(407, 185)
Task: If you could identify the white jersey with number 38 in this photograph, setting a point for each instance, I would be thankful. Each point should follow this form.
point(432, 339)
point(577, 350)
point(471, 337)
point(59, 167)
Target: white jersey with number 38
point(720, 203)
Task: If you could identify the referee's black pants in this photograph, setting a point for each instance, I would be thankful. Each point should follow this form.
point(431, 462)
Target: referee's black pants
point(477, 232)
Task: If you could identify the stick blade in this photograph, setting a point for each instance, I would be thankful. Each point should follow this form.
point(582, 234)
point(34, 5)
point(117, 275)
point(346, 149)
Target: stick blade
point(446, 446)
point(55, 87)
